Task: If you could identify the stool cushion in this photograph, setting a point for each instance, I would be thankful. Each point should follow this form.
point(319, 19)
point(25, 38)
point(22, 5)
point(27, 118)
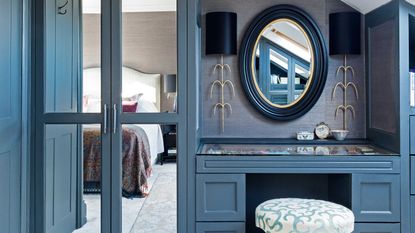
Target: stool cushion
point(292, 215)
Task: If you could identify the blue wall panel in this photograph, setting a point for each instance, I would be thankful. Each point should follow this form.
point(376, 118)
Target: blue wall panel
point(10, 115)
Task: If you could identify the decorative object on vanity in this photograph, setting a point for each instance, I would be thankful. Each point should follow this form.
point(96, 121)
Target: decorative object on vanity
point(340, 134)
point(170, 88)
point(322, 130)
point(305, 136)
point(345, 39)
point(283, 62)
point(221, 39)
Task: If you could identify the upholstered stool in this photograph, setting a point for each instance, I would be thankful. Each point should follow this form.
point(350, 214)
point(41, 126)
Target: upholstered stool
point(292, 215)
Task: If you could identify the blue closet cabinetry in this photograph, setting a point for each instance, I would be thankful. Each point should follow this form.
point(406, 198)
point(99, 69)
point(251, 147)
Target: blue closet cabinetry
point(412, 214)
point(11, 191)
point(412, 169)
point(412, 134)
point(377, 228)
point(220, 227)
point(375, 198)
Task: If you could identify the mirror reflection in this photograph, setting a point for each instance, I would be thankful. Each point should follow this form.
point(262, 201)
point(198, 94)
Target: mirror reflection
point(283, 63)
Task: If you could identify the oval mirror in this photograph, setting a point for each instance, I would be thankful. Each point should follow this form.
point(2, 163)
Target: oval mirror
point(283, 62)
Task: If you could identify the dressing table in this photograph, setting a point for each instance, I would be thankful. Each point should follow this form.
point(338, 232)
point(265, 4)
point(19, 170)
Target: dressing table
point(370, 175)
point(233, 178)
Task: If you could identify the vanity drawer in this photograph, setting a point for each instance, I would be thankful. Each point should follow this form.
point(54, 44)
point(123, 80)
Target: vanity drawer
point(220, 197)
point(412, 135)
point(377, 228)
point(376, 198)
point(220, 227)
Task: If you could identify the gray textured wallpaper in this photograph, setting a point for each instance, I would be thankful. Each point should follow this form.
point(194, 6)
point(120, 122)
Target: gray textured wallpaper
point(246, 121)
point(149, 44)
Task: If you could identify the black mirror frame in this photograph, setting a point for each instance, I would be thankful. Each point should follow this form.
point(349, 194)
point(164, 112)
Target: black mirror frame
point(320, 62)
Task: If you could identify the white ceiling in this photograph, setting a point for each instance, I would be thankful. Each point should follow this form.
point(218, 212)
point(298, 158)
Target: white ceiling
point(94, 6)
point(366, 6)
point(411, 1)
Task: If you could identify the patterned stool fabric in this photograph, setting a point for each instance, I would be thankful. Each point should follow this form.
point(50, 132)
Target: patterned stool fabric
point(292, 215)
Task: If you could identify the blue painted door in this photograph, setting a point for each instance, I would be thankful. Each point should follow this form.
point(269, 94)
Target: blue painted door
point(61, 90)
point(10, 115)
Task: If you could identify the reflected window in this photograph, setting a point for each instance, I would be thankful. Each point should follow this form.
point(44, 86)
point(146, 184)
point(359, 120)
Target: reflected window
point(282, 62)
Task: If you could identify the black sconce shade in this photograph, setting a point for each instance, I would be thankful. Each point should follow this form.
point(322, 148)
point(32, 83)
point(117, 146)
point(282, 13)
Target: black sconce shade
point(169, 83)
point(221, 33)
point(345, 33)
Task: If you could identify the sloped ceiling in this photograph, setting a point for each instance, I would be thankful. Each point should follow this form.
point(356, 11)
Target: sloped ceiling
point(366, 6)
point(94, 6)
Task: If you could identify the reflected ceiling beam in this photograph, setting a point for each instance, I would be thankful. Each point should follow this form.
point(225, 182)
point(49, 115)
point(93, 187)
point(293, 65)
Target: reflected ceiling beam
point(285, 37)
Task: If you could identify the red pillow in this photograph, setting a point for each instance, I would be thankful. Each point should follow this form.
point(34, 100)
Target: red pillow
point(129, 106)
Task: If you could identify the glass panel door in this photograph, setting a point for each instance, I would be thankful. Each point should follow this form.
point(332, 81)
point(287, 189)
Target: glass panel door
point(147, 150)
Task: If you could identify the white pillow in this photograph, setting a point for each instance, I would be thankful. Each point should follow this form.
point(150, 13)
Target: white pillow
point(146, 106)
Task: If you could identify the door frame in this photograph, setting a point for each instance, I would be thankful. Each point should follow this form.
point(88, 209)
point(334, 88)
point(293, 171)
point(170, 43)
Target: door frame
point(27, 120)
point(111, 65)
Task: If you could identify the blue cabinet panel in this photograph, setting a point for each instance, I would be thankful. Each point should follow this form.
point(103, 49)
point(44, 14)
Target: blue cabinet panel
point(412, 135)
point(220, 197)
point(60, 156)
point(62, 65)
point(412, 175)
point(10, 116)
point(412, 219)
point(377, 228)
point(376, 198)
point(220, 227)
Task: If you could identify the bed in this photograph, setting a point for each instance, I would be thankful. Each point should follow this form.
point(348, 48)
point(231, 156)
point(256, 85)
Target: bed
point(141, 144)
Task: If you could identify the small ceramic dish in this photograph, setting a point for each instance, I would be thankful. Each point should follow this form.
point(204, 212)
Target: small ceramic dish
point(340, 135)
point(305, 136)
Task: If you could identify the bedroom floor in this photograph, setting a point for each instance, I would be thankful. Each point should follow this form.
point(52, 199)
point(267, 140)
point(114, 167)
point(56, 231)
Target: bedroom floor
point(155, 213)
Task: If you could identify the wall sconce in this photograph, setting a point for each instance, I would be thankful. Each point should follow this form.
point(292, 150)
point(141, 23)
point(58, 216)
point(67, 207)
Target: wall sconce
point(170, 88)
point(221, 40)
point(345, 30)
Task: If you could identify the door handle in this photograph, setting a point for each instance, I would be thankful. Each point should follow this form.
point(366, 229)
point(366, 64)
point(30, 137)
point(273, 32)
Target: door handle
point(105, 118)
point(114, 112)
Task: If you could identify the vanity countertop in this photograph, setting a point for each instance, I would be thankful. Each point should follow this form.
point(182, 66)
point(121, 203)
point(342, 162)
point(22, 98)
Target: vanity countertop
point(245, 149)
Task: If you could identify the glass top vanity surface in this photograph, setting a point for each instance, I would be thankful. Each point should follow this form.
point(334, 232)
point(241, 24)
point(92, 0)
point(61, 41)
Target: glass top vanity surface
point(283, 150)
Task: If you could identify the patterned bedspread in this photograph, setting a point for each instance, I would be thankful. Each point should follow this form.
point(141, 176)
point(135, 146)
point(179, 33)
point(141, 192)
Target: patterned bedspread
point(136, 160)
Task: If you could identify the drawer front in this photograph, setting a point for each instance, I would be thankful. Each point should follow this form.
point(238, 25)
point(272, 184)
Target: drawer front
point(412, 134)
point(220, 197)
point(220, 227)
point(376, 198)
point(377, 228)
point(412, 174)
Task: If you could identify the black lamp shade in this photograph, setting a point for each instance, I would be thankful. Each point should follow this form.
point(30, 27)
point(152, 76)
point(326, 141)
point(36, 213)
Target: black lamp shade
point(221, 33)
point(169, 83)
point(345, 33)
